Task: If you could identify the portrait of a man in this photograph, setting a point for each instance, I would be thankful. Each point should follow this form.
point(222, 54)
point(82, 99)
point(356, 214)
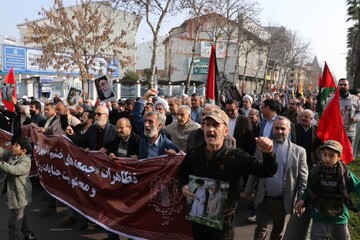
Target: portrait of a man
point(7, 91)
point(73, 97)
point(104, 89)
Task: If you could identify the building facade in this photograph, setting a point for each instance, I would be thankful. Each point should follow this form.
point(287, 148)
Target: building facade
point(48, 83)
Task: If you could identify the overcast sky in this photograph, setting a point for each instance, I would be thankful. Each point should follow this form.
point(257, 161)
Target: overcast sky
point(322, 22)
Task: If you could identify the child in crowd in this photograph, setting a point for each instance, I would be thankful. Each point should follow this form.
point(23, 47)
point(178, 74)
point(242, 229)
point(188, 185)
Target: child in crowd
point(14, 181)
point(327, 194)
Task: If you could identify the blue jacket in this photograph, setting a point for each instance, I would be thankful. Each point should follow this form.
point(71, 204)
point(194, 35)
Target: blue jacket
point(164, 143)
point(138, 128)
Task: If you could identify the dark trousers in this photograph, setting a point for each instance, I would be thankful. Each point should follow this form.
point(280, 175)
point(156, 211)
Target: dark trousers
point(271, 211)
point(298, 227)
point(18, 224)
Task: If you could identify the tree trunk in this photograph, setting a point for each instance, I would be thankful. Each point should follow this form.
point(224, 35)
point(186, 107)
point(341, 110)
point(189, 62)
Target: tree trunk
point(189, 75)
point(153, 61)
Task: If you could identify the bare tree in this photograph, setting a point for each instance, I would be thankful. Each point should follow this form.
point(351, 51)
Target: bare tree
point(78, 37)
point(155, 12)
point(273, 50)
point(198, 10)
point(296, 53)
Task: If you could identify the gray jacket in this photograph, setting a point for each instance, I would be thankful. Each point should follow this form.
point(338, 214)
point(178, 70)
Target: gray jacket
point(16, 171)
point(179, 135)
point(295, 179)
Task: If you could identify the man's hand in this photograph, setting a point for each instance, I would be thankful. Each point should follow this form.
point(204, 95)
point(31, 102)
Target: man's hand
point(264, 144)
point(149, 93)
point(40, 129)
point(170, 152)
point(135, 157)
point(111, 156)
point(13, 99)
point(186, 192)
point(299, 207)
point(103, 150)
point(69, 131)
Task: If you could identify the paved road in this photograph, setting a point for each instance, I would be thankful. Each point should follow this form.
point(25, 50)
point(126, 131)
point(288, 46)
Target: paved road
point(48, 228)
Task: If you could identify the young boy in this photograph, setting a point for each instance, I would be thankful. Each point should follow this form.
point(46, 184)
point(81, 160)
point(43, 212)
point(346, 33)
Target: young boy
point(327, 194)
point(14, 180)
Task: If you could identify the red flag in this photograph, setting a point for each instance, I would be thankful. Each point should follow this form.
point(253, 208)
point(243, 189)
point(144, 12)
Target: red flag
point(8, 91)
point(329, 128)
point(212, 88)
point(326, 86)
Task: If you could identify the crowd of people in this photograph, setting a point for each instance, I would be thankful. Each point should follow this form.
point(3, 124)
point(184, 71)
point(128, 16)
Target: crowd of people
point(265, 147)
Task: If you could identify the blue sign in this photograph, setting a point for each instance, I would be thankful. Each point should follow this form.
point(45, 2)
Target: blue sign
point(14, 57)
point(46, 79)
point(24, 60)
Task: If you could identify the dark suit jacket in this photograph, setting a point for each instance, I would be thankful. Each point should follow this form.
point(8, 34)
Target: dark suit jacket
point(133, 145)
point(89, 138)
point(315, 155)
point(244, 135)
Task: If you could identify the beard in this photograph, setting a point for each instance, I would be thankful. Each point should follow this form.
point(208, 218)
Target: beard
point(82, 123)
point(32, 112)
point(343, 92)
point(149, 133)
point(100, 123)
point(280, 138)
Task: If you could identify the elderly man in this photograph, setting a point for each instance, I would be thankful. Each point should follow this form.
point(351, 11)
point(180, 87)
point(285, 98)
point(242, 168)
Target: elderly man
point(349, 107)
point(247, 101)
point(196, 110)
point(100, 134)
point(105, 89)
point(275, 196)
point(153, 142)
point(306, 137)
point(214, 160)
point(179, 130)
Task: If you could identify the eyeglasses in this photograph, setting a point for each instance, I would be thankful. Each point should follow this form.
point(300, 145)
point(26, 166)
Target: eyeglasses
point(99, 114)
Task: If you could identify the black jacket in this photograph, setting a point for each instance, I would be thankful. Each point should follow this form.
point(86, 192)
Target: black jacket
point(133, 145)
point(89, 138)
point(226, 165)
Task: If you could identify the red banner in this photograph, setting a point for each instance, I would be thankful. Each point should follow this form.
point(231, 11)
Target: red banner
point(137, 199)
